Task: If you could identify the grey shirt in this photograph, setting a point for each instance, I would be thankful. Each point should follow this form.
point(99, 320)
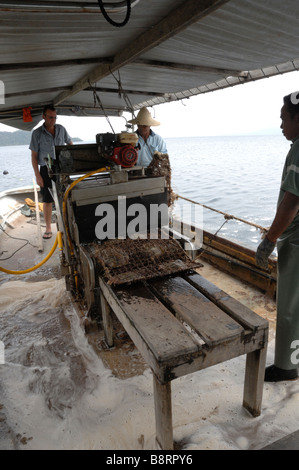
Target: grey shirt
point(43, 142)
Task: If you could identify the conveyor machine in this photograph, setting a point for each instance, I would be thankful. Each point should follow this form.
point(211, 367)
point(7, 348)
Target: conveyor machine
point(112, 215)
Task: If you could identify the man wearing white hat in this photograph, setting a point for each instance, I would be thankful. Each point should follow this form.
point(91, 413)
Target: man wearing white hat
point(149, 141)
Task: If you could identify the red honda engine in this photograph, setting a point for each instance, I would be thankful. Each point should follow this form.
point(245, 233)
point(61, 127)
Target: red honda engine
point(120, 148)
point(125, 156)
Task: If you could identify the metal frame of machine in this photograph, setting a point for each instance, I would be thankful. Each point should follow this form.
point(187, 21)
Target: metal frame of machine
point(86, 179)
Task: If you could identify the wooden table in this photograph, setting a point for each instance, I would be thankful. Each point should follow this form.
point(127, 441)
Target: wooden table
point(155, 315)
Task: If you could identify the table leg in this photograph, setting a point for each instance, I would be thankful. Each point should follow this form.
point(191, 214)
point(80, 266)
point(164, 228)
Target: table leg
point(163, 414)
point(107, 320)
point(254, 381)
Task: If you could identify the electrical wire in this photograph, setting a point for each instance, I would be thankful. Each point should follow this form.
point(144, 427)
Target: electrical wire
point(25, 271)
point(114, 23)
point(18, 249)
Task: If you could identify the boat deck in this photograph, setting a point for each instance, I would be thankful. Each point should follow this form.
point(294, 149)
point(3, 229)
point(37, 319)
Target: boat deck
point(26, 255)
point(123, 359)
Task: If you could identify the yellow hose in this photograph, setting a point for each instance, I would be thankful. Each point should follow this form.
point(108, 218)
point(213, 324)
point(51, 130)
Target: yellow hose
point(8, 271)
point(67, 231)
point(58, 239)
point(65, 196)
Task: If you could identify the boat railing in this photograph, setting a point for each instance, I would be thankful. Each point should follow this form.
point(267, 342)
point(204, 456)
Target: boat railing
point(225, 214)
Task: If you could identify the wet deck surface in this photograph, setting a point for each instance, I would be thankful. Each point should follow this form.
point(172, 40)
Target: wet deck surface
point(290, 442)
point(123, 360)
point(19, 250)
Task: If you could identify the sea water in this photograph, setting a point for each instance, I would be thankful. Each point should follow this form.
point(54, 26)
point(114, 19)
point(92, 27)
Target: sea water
point(238, 175)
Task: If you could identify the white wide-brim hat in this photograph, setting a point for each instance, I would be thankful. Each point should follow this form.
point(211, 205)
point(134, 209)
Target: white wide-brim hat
point(144, 118)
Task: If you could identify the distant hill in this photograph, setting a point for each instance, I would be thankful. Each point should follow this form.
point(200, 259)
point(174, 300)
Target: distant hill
point(14, 138)
point(19, 138)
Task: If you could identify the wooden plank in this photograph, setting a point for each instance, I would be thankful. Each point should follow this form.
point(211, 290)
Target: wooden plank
point(158, 335)
point(209, 322)
point(160, 329)
point(252, 276)
point(239, 312)
point(218, 354)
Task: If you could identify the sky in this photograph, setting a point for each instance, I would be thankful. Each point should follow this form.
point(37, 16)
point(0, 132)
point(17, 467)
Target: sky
point(253, 108)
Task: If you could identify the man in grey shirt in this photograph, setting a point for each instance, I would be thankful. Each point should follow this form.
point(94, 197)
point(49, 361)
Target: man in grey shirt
point(42, 145)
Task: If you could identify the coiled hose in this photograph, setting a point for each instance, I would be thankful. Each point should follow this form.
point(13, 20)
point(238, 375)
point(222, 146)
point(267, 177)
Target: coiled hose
point(58, 239)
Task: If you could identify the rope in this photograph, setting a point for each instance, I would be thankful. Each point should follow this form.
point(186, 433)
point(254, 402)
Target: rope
point(204, 250)
point(226, 216)
point(122, 93)
point(97, 99)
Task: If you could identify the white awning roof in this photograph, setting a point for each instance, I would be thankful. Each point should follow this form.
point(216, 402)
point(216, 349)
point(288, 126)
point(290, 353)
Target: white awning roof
point(67, 53)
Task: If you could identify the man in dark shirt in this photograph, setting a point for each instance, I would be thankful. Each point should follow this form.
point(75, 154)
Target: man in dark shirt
point(285, 232)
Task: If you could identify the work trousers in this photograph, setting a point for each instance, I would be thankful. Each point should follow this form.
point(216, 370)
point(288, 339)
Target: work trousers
point(46, 195)
point(287, 327)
